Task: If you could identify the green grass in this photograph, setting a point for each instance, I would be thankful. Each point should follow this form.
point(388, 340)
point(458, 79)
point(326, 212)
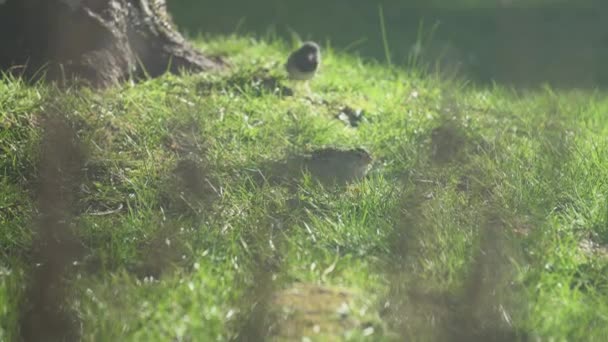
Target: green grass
point(523, 43)
point(471, 224)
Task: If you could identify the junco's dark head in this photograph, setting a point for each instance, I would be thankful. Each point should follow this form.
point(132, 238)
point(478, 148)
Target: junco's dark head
point(303, 63)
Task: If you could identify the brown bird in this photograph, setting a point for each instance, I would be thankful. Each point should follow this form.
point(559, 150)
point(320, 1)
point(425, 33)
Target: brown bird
point(331, 165)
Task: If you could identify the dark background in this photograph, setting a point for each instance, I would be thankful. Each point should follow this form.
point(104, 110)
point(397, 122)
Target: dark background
point(523, 43)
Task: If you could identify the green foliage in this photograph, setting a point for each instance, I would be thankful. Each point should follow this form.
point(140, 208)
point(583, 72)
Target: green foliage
point(484, 213)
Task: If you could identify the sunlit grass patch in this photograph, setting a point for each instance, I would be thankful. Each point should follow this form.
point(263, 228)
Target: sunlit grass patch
point(483, 214)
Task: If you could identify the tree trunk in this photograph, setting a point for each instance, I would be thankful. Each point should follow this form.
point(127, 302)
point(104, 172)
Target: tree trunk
point(100, 41)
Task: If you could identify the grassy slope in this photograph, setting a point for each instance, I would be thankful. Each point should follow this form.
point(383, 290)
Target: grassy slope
point(477, 218)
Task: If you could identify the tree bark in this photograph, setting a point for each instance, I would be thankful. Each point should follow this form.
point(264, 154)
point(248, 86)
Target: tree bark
point(102, 42)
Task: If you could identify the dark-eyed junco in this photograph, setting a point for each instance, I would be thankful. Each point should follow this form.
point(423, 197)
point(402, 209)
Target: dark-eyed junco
point(303, 63)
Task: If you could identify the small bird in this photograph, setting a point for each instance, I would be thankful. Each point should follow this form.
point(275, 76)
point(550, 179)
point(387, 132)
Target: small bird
point(330, 166)
point(336, 166)
point(303, 63)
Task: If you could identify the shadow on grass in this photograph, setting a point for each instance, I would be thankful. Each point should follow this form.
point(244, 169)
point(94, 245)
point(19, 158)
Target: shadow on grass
point(266, 246)
point(256, 82)
point(57, 251)
point(441, 288)
point(485, 297)
point(45, 316)
point(479, 308)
